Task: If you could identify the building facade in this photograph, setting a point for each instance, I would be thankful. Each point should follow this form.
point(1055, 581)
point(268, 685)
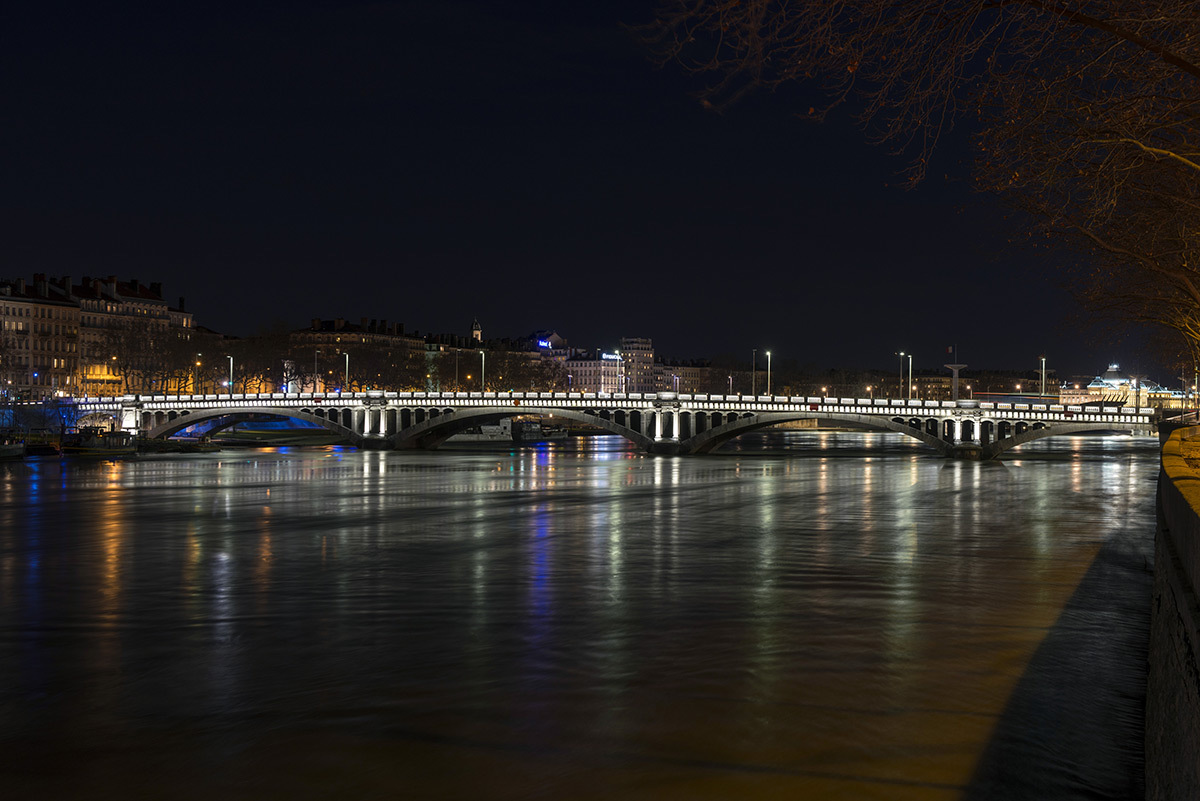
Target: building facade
point(638, 356)
point(39, 341)
point(594, 371)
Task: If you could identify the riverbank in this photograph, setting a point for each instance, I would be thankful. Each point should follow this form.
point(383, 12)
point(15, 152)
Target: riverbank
point(1173, 688)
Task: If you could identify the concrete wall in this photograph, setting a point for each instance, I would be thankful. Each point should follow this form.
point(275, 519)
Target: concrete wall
point(1173, 684)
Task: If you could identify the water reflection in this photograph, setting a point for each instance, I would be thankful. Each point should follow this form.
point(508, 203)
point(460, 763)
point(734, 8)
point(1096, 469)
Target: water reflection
point(808, 614)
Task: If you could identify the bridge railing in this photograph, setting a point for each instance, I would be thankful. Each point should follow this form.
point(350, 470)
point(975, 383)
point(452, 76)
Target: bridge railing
point(813, 402)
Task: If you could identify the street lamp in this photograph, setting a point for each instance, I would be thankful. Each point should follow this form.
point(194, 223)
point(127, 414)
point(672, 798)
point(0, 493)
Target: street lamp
point(900, 382)
point(1043, 392)
point(768, 372)
point(315, 352)
point(230, 374)
point(730, 377)
point(346, 380)
point(825, 393)
point(482, 367)
point(871, 391)
point(970, 394)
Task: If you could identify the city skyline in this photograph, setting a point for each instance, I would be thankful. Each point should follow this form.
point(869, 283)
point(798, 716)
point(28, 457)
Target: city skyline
point(535, 167)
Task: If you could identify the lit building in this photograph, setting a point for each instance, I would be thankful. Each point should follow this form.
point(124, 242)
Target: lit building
point(638, 356)
point(131, 339)
point(1116, 388)
point(39, 346)
point(594, 371)
point(686, 378)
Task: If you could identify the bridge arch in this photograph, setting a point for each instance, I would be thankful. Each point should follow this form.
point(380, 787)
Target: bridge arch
point(1041, 431)
point(177, 421)
point(435, 430)
point(712, 439)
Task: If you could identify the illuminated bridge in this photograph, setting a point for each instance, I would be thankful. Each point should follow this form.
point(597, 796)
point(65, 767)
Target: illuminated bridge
point(666, 422)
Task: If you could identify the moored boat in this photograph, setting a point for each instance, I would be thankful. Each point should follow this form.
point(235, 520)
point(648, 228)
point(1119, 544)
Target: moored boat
point(499, 432)
point(12, 448)
point(537, 431)
point(93, 443)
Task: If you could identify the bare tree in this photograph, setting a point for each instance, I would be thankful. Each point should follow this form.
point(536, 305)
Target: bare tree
point(1085, 111)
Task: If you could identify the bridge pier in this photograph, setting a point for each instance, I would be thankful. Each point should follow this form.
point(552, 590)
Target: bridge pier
point(969, 451)
point(667, 447)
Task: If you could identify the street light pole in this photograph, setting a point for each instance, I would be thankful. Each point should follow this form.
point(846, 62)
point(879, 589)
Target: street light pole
point(910, 383)
point(315, 352)
point(482, 367)
point(730, 377)
point(230, 374)
point(754, 372)
point(768, 372)
point(346, 379)
point(1043, 392)
point(900, 380)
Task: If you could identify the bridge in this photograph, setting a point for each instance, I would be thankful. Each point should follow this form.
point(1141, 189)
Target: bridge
point(666, 422)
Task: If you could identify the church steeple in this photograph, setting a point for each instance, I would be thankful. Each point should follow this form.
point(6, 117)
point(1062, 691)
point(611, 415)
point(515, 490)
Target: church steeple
point(477, 331)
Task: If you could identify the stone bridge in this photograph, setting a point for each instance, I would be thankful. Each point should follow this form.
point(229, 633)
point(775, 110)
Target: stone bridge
point(666, 422)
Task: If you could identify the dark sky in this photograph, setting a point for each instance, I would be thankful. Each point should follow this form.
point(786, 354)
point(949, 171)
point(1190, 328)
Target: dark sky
point(520, 162)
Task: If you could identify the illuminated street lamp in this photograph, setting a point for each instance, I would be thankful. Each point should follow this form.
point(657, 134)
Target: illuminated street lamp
point(902, 354)
point(871, 391)
point(768, 372)
point(230, 374)
point(730, 377)
point(1043, 392)
point(346, 380)
point(482, 367)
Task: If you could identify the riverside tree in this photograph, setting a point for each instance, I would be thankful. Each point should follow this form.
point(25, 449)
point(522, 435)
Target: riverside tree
point(1084, 112)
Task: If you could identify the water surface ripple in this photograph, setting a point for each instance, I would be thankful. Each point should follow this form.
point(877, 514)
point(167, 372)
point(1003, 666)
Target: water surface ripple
point(808, 615)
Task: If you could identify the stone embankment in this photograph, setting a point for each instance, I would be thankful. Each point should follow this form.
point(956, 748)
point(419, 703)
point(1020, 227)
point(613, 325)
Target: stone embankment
point(1173, 686)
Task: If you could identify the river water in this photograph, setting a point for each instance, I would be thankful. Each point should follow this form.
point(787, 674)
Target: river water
point(816, 615)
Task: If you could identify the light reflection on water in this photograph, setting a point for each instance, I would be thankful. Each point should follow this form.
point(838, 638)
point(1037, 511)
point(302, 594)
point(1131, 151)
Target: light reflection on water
point(808, 614)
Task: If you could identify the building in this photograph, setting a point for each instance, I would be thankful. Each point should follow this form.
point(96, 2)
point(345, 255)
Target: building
point(39, 346)
point(368, 354)
point(638, 356)
point(689, 377)
point(131, 339)
point(594, 371)
point(1116, 388)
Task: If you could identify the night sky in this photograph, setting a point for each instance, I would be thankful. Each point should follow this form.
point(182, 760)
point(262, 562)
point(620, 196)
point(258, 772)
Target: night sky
point(520, 162)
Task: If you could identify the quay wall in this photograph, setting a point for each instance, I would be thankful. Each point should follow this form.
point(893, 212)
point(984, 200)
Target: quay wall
point(1173, 683)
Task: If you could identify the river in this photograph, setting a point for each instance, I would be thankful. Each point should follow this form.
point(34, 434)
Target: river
point(822, 615)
